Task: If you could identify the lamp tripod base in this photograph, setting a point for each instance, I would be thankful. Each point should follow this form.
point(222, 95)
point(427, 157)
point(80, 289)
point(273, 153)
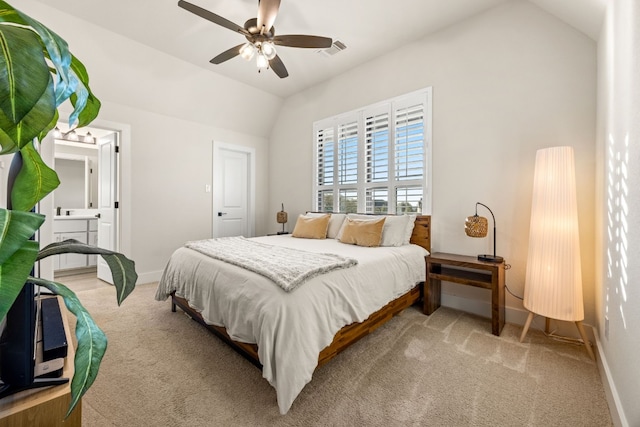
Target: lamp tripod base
point(578, 323)
point(490, 258)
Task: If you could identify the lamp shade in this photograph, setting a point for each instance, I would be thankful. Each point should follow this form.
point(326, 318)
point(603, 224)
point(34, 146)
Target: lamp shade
point(476, 226)
point(553, 284)
point(281, 217)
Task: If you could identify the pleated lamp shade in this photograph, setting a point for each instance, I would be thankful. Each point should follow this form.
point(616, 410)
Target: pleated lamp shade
point(553, 284)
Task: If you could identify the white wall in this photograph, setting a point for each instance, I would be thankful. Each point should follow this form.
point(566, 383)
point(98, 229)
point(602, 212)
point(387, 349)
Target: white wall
point(619, 207)
point(505, 83)
point(174, 111)
point(168, 202)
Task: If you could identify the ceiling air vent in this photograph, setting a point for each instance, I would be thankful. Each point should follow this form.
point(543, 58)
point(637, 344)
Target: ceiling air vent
point(336, 47)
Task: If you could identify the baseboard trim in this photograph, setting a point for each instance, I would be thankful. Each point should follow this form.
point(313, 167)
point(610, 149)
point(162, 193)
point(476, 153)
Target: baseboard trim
point(613, 398)
point(149, 277)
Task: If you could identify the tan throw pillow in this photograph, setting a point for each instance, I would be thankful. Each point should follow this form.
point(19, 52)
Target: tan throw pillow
point(394, 229)
point(311, 228)
point(362, 232)
point(335, 222)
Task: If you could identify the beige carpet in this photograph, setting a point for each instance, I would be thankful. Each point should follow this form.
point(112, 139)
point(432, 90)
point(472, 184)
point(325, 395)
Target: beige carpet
point(163, 369)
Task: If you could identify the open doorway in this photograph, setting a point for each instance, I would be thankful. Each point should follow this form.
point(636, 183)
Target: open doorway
point(85, 205)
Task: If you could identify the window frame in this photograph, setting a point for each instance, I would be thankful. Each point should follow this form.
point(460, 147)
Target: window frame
point(390, 107)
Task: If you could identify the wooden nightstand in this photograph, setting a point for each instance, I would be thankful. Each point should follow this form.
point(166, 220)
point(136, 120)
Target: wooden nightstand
point(465, 270)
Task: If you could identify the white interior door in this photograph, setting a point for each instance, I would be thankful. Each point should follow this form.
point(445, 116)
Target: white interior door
point(107, 199)
point(233, 183)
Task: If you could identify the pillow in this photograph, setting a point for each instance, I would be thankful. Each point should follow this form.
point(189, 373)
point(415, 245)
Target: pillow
point(395, 228)
point(411, 221)
point(335, 222)
point(362, 232)
point(311, 228)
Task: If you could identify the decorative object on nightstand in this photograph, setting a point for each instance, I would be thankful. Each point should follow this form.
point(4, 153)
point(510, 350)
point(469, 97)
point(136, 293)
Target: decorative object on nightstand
point(281, 217)
point(476, 226)
point(553, 283)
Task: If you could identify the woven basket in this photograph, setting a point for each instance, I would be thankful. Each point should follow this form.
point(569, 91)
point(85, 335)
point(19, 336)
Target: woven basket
point(476, 226)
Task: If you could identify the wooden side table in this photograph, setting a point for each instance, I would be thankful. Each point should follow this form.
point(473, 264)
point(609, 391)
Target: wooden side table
point(465, 270)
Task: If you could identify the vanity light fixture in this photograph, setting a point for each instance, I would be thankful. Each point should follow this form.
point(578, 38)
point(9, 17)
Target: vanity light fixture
point(73, 136)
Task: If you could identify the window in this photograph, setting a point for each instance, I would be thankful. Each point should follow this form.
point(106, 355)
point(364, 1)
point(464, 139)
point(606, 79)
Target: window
point(376, 159)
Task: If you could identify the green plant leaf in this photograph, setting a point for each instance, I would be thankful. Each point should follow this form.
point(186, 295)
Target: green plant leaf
point(92, 342)
point(16, 228)
point(14, 272)
point(72, 79)
point(23, 79)
point(16, 254)
point(26, 88)
point(58, 52)
point(48, 128)
point(122, 268)
point(86, 105)
point(34, 181)
point(67, 79)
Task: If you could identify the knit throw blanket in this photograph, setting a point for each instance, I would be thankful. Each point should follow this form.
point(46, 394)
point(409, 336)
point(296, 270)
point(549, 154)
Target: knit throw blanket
point(287, 267)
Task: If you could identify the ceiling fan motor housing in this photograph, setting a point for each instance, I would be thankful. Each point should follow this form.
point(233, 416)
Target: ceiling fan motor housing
point(252, 27)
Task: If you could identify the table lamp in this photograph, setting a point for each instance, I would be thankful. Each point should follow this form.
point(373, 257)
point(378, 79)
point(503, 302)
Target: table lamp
point(281, 218)
point(476, 226)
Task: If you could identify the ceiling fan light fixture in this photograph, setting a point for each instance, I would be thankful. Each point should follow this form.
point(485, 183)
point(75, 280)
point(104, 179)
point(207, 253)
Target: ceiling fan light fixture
point(268, 50)
point(262, 62)
point(247, 51)
point(259, 31)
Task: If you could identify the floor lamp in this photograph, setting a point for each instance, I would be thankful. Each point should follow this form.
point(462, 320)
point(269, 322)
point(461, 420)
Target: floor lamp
point(553, 283)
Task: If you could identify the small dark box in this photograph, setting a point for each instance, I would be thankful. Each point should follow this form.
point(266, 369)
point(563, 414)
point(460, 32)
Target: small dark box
point(54, 340)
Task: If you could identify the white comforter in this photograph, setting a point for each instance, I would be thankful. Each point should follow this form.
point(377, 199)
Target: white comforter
point(292, 328)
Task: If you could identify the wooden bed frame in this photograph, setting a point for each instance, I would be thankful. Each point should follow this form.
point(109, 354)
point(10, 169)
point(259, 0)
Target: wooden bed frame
point(346, 336)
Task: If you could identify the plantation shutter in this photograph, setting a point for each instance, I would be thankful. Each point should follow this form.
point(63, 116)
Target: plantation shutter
point(409, 143)
point(348, 153)
point(376, 130)
point(325, 146)
point(376, 159)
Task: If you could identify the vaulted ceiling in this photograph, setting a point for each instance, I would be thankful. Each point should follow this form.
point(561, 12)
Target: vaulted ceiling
point(368, 29)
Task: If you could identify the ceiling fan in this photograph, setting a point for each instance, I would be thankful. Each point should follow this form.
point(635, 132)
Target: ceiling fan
point(260, 35)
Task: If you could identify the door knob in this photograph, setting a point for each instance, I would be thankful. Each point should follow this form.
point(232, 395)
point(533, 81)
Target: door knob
point(97, 215)
point(221, 213)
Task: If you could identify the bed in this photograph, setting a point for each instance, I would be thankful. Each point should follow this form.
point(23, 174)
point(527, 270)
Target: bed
point(289, 334)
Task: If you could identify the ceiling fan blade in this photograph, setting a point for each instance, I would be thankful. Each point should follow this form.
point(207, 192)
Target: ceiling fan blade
point(210, 16)
point(227, 55)
point(267, 11)
point(278, 67)
point(297, 40)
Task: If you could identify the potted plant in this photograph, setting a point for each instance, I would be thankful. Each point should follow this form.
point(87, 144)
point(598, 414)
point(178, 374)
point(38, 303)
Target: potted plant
point(37, 75)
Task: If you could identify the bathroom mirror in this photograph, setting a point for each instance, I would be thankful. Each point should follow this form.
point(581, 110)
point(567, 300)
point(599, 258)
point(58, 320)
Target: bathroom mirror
point(78, 179)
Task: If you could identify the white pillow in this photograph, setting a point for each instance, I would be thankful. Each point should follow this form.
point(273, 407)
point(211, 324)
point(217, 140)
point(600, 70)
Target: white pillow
point(409, 231)
point(394, 231)
point(335, 222)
